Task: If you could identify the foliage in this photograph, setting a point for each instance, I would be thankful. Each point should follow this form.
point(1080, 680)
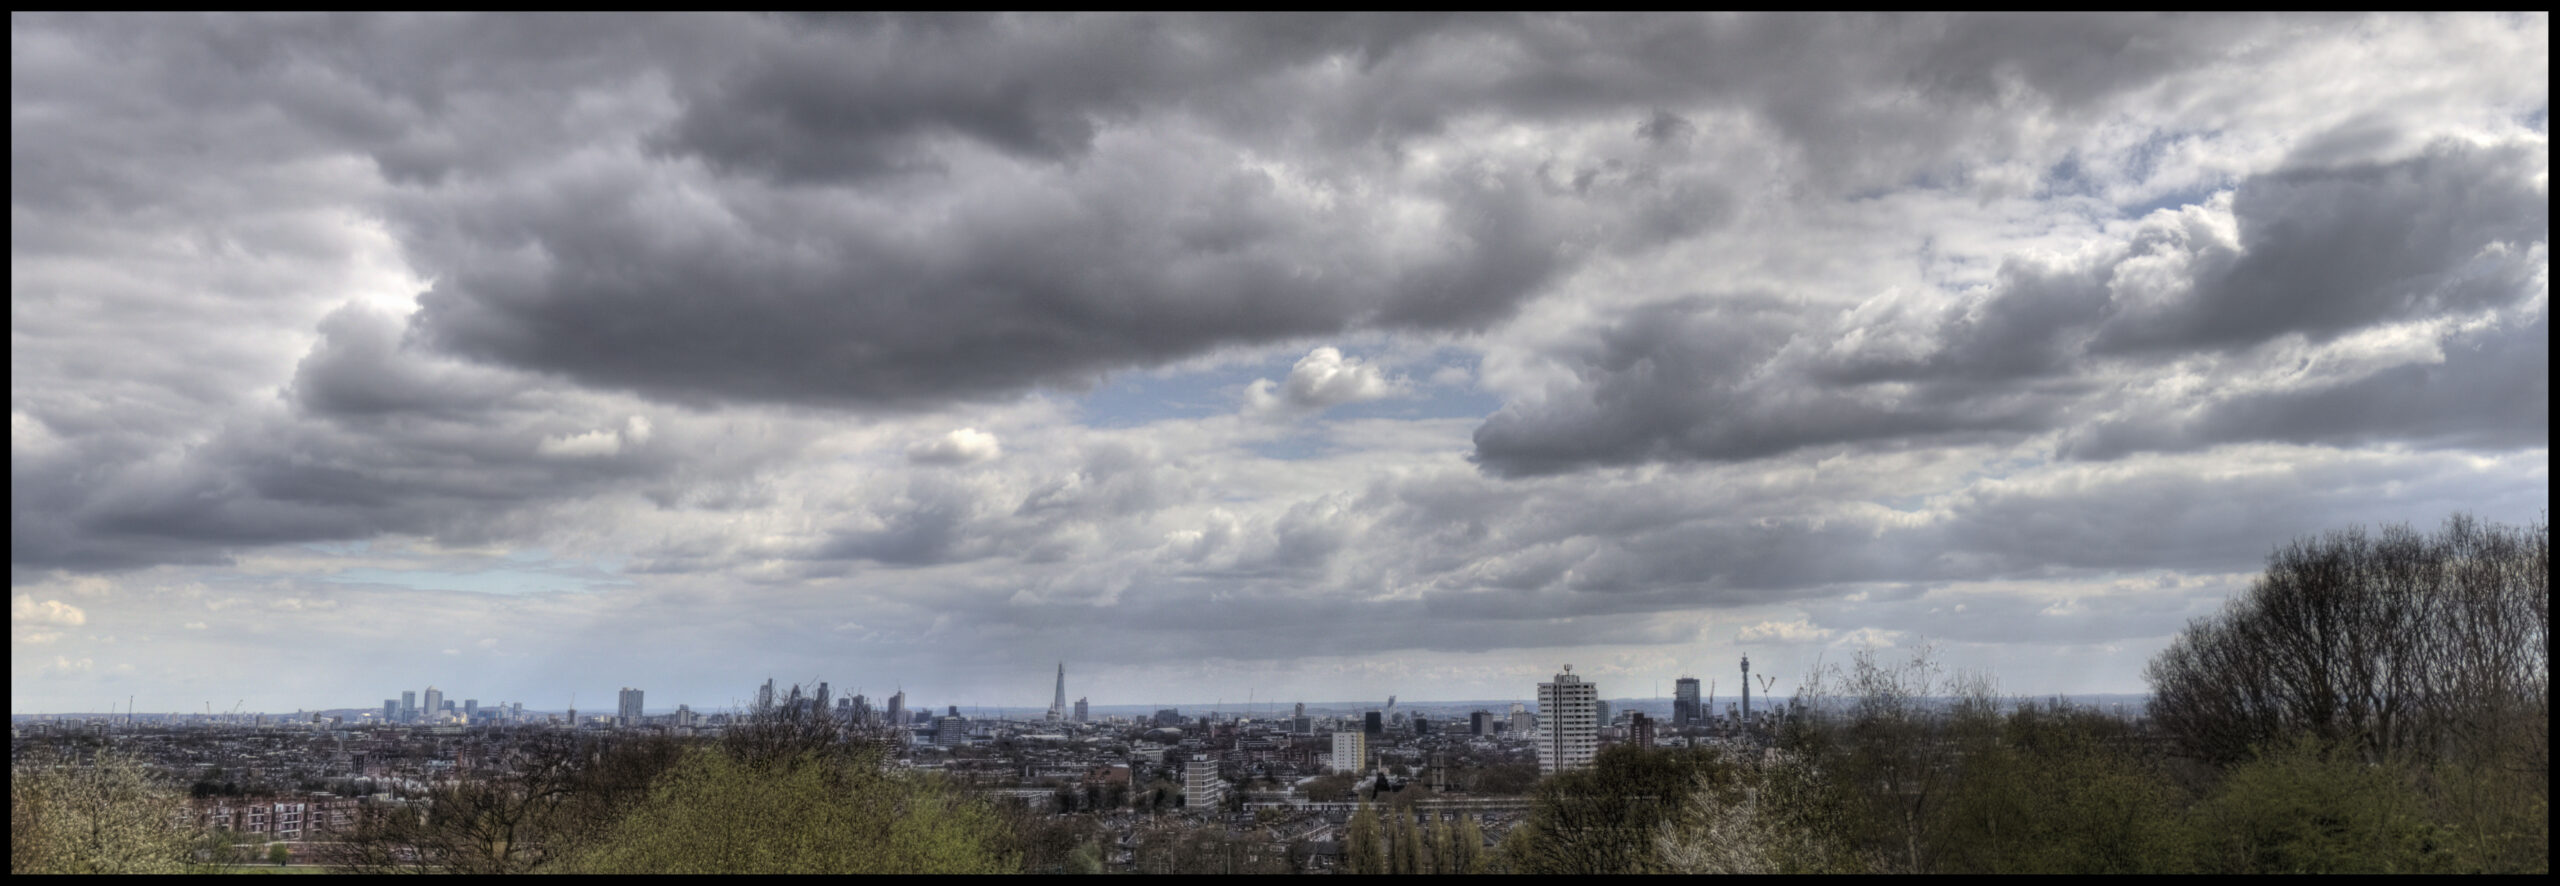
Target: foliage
point(2313, 808)
point(279, 853)
point(1364, 848)
point(2055, 791)
point(109, 815)
point(1776, 816)
point(813, 813)
point(1604, 819)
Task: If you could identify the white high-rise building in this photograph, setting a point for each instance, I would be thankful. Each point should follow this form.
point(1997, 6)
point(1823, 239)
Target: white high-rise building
point(1350, 751)
point(1568, 723)
point(434, 705)
point(1201, 786)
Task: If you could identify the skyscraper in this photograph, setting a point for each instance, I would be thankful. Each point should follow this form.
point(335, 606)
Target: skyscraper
point(630, 708)
point(1083, 711)
point(435, 703)
point(1684, 702)
point(861, 709)
point(898, 710)
point(1640, 730)
point(1373, 724)
point(1058, 702)
point(470, 709)
point(818, 703)
point(1480, 723)
point(1568, 728)
point(390, 709)
point(764, 696)
point(408, 704)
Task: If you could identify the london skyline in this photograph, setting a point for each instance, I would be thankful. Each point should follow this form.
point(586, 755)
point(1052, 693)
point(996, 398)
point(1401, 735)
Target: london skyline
point(1292, 357)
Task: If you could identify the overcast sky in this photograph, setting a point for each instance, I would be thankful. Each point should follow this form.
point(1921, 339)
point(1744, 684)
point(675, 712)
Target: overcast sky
point(1300, 358)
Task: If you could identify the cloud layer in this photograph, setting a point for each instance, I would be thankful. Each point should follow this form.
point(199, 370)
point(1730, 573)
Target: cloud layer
point(1294, 354)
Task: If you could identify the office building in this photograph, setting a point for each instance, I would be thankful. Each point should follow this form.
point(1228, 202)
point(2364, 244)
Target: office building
point(861, 710)
point(898, 710)
point(1083, 712)
point(434, 703)
point(764, 695)
point(1350, 751)
point(408, 704)
point(1600, 712)
point(1568, 731)
point(1521, 720)
point(818, 704)
point(629, 713)
point(1480, 723)
point(470, 709)
point(951, 731)
point(1373, 724)
point(1640, 730)
point(1684, 702)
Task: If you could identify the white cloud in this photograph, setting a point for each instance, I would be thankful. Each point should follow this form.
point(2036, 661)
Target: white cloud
point(1323, 379)
point(592, 444)
point(1797, 631)
point(23, 608)
point(963, 446)
point(195, 626)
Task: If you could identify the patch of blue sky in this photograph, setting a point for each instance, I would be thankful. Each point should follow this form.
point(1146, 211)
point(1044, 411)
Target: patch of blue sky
point(1423, 402)
point(1132, 399)
point(1298, 446)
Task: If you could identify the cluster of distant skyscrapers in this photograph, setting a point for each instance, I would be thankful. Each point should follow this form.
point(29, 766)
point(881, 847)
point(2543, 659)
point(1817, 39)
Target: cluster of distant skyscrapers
point(1567, 725)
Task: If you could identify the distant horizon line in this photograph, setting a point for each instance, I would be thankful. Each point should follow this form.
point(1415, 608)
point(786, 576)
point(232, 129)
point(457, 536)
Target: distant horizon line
point(1042, 708)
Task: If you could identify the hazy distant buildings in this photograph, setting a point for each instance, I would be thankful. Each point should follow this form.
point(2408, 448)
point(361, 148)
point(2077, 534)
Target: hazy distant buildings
point(434, 703)
point(1083, 712)
point(1350, 751)
point(390, 710)
point(898, 709)
point(1521, 720)
point(1373, 724)
point(764, 695)
point(1480, 723)
point(951, 731)
point(628, 713)
point(408, 705)
point(1569, 728)
point(1684, 702)
point(470, 709)
point(1639, 730)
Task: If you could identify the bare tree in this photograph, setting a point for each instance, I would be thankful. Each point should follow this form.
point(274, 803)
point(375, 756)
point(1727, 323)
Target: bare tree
point(2401, 643)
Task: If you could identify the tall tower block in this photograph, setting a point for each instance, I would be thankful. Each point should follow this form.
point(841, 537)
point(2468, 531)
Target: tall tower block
point(1746, 690)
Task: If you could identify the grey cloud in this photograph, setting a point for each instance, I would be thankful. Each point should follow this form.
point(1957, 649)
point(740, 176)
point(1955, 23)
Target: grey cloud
point(2321, 253)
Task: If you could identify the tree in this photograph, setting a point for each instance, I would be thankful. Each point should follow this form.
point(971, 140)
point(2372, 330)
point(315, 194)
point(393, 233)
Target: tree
point(2055, 790)
point(279, 853)
point(1364, 849)
point(715, 813)
point(2396, 644)
point(1604, 819)
point(109, 815)
point(2311, 807)
point(1405, 855)
point(1775, 817)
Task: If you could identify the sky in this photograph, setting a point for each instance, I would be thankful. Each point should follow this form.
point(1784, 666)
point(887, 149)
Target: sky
point(1298, 357)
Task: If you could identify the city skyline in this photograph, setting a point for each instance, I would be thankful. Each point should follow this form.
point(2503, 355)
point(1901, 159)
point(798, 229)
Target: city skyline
point(1241, 357)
